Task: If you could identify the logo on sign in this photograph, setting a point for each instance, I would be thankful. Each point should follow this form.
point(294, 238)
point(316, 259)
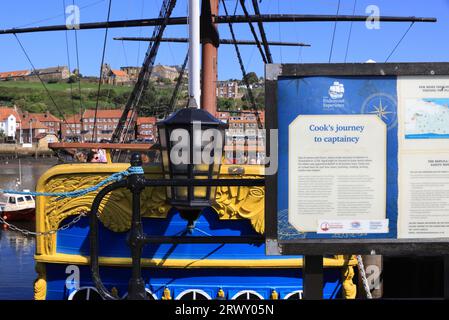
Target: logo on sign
point(336, 90)
point(355, 224)
point(324, 226)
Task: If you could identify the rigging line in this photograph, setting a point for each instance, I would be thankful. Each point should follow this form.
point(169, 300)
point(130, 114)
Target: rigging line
point(43, 83)
point(399, 42)
point(262, 33)
point(279, 30)
point(253, 31)
point(350, 31)
point(124, 53)
point(59, 15)
point(242, 68)
point(140, 31)
point(94, 132)
point(236, 6)
point(333, 34)
point(175, 95)
point(145, 72)
point(78, 67)
point(143, 79)
point(70, 68)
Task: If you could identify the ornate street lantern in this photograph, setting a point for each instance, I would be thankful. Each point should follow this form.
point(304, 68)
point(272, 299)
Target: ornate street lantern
point(192, 146)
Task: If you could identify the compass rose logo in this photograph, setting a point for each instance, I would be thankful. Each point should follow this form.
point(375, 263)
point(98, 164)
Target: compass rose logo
point(384, 106)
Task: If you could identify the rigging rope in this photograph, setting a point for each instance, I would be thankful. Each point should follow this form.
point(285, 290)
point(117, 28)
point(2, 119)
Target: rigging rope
point(174, 97)
point(350, 31)
point(399, 42)
point(279, 30)
point(78, 193)
point(333, 34)
point(262, 33)
point(78, 67)
point(42, 82)
point(242, 68)
point(145, 72)
point(70, 68)
point(253, 31)
point(59, 15)
point(94, 132)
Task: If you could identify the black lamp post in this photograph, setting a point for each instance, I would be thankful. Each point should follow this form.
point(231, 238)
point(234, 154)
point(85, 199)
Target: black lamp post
point(192, 143)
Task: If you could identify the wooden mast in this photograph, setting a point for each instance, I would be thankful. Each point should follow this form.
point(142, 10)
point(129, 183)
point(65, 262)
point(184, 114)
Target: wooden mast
point(209, 61)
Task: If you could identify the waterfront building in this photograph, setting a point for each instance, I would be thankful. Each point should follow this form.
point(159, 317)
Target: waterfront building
point(47, 119)
point(146, 129)
point(31, 129)
point(228, 89)
point(244, 141)
point(9, 122)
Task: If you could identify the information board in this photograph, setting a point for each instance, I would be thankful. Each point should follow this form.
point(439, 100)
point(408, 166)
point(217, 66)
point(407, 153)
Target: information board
point(363, 158)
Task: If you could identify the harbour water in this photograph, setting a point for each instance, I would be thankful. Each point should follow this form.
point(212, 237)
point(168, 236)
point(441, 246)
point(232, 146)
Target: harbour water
point(16, 250)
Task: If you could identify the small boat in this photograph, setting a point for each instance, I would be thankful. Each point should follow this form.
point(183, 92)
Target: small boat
point(17, 207)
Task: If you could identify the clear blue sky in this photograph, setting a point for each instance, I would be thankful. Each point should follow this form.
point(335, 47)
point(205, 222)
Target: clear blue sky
point(424, 42)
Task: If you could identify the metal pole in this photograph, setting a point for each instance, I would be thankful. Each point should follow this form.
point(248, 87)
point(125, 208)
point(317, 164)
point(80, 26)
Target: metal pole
point(219, 19)
point(209, 69)
point(222, 41)
point(194, 50)
point(313, 277)
point(136, 288)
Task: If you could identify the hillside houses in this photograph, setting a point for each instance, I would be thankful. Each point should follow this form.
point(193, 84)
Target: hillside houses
point(57, 73)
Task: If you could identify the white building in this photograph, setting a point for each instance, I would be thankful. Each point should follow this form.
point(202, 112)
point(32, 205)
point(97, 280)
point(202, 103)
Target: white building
point(9, 122)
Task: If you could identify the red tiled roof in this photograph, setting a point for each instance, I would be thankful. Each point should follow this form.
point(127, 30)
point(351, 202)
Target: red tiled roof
point(111, 113)
point(5, 112)
point(9, 74)
point(43, 117)
point(73, 119)
point(34, 124)
point(119, 73)
point(146, 120)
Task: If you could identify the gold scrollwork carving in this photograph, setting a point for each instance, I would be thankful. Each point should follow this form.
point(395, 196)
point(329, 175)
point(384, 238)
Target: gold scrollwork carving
point(242, 202)
point(115, 210)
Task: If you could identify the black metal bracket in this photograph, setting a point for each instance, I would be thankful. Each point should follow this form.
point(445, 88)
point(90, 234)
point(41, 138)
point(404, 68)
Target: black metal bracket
point(137, 239)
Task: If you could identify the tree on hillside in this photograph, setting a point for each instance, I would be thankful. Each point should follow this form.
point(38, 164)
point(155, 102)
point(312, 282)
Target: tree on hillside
point(226, 104)
point(251, 77)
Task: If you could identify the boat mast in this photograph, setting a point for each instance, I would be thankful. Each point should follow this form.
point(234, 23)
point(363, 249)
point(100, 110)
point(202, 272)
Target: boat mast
point(210, 42)
point(194, 51)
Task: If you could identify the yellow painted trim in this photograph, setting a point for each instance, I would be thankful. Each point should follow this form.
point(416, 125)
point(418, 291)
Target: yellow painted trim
point(191, 263)
point(47, 244)
point(40, 284)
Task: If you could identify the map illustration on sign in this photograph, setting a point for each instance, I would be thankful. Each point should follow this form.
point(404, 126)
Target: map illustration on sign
point(384, 106)
point(427, 119)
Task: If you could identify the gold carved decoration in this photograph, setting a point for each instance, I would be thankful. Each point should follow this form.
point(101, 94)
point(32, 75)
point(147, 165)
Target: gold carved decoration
point(242, 202)
point(349, 287)
point(115, 209)
point(40, 284)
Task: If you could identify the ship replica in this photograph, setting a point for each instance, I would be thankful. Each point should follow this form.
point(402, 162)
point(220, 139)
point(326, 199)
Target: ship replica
point(189, 231)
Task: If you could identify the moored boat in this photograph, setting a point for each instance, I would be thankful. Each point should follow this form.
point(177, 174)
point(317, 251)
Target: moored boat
point(17, 207)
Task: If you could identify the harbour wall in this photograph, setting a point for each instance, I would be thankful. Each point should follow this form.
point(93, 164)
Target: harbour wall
point(17, 150)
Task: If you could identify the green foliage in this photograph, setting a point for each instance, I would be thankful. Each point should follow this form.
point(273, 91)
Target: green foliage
point(226, 104)
point(252, 78)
